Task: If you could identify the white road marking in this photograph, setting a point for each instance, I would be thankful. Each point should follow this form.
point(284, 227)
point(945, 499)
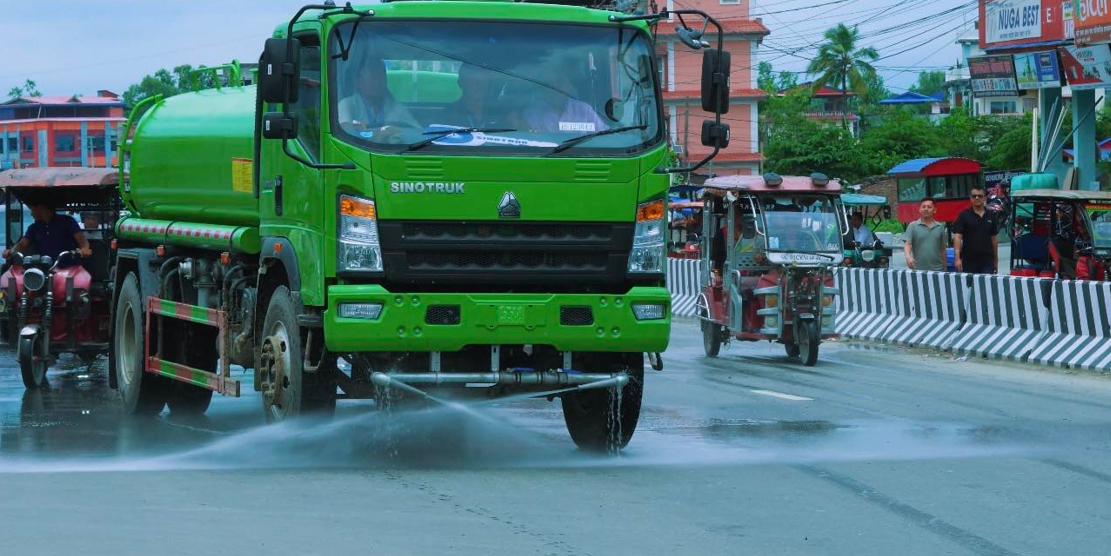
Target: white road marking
point(781, 395)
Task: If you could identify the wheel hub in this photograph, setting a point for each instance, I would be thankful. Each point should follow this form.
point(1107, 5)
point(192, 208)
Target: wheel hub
point(275, 382)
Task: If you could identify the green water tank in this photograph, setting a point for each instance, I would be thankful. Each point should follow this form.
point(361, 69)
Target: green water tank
point(191, 159)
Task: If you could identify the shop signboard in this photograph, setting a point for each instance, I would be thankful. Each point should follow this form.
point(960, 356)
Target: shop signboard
point(1093, 22)
point(1019, 23)
point(1037, 70)
point(1087, 67)
point(993, 76)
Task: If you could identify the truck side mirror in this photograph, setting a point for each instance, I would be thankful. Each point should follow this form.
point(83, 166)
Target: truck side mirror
point(715, 134)
point(715, 80)
point(277, 125)
point(278, 75)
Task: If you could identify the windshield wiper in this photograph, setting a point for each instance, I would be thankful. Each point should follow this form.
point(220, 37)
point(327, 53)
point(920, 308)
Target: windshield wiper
point(583, 138)
point(441, 133)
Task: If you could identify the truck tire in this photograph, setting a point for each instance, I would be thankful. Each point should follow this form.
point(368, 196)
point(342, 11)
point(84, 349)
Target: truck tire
point(142, 393)
point(198, 350)
point(288, 391)
point(599, 420)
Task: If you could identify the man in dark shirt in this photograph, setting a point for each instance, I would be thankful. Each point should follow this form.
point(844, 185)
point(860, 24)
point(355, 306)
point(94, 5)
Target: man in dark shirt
point(51, 234)
point(975, 244)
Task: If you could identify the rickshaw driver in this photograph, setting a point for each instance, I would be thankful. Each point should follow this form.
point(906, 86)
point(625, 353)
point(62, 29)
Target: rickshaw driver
point(744, 231)
point(1064, 240)
point(861, 233)
point(51, 234)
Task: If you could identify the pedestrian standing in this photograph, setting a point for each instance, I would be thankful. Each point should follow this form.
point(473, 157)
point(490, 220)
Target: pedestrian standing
point(975, 243)
point(925, 240)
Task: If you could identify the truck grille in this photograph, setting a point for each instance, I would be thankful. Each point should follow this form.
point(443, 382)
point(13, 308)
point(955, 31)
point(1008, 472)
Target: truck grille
point(505, 253)
point(572, 315)
point(442, 315)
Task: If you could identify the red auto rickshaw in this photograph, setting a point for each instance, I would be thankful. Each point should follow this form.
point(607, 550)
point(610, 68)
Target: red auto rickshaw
point(57, 303)
point(769, 247)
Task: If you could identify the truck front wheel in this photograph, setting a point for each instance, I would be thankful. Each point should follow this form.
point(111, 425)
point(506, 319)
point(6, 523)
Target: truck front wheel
point(604, 420)
point(288, 391)
point(143, 393)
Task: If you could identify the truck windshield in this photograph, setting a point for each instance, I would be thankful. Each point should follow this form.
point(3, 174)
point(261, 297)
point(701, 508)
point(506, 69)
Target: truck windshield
point(518, 88)
point(801, 223)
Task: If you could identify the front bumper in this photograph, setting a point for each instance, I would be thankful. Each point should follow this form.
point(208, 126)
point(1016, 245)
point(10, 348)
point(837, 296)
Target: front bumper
point(495, 319)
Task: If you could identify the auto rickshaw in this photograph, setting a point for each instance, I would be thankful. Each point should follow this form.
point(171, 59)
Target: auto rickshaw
point(769, 247)
point(874, 209)
point(686, 229)
point(58, 303)
point(1061, 234)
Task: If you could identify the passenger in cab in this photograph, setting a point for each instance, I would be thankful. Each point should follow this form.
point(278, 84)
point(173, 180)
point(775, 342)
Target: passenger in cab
point(746, 242)
point(861, 234)
point(370, 106)
point(1064, 240)
point(51, 234)
point(474, 107)
point(557, 110)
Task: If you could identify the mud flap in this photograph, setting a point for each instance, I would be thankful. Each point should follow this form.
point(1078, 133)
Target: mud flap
point(736, 306)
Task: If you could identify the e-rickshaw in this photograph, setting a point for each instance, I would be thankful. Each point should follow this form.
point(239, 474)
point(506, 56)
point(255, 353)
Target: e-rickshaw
point(1061, 234)
point(769, 247)
point(58, 303)
point(874, 210)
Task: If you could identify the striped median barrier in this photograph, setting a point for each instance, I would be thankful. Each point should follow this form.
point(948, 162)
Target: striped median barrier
point(868, 304)
point(938, 309)
point(683, 284)
point(1006, 317)
point(1079, 331)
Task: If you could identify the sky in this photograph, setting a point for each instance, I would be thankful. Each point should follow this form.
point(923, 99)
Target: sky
point(80, 46)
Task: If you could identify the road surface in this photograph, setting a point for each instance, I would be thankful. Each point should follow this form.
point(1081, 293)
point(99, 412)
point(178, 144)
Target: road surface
point(875, 451)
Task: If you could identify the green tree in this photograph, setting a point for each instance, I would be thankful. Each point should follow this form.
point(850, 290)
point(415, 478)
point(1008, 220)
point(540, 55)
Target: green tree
point(963, 135)
point(802, 147)
point(841, 63)
point(787, 80)
point(1009, 138)
point(929, 83)
point(765, 78)
point(166, 83)
point(28, 89)
point(900, 137)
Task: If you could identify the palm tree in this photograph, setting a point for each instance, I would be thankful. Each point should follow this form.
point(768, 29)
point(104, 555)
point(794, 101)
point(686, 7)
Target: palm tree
point(839, 61)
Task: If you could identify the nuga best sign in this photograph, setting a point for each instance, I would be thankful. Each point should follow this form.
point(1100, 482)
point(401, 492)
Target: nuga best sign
point(1023, 22)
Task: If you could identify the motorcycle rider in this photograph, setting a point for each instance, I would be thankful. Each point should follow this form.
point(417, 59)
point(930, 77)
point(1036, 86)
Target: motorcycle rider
point(51, 234)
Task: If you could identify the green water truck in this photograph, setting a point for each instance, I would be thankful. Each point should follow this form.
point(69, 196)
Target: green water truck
point(414, 201)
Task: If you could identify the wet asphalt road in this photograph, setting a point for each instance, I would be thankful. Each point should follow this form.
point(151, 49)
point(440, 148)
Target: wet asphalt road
point(874, 451)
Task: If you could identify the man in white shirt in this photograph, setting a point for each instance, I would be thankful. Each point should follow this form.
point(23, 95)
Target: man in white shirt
point(861, 233)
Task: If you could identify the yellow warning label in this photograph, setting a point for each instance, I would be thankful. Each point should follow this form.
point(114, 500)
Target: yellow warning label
point(241, 175)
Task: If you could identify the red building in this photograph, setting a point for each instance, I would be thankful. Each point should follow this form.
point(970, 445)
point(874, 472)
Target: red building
point(680, 69)
point(60, 131)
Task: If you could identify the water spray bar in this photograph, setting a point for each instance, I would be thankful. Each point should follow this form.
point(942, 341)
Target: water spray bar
point(239, 239)
point(583, 381)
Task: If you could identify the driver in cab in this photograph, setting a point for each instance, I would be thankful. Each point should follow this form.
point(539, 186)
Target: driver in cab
point(744, 233)
point(371, 111)
point(51, 234)
point(557, 109)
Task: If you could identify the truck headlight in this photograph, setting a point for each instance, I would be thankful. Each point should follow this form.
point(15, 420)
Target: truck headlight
point(649, 239)
point(359, 249)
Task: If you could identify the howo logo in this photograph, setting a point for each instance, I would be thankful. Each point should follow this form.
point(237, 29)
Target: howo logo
point(509, 206)
point(1087, 9)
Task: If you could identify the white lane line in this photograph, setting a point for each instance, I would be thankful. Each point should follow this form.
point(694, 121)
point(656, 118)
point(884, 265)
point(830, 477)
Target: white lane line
point(781, 395)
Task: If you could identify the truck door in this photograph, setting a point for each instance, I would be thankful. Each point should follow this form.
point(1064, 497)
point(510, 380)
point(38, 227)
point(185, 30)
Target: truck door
point(290, 198)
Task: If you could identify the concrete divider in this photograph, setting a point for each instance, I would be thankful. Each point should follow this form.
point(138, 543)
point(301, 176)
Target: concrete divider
point(937, 309)
point(1079, 331)
point(1006, 317)
point(868, 302)
point(683, 284)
